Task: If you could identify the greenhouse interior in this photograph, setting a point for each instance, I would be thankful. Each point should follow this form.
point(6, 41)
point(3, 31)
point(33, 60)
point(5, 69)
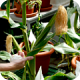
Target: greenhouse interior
point(40, 40)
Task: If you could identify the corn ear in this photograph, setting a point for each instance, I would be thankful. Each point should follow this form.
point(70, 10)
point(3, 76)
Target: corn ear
point(9, 43)
point(61, 21)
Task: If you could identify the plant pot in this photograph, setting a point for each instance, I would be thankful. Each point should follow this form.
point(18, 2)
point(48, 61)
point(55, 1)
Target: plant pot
point(42, 59)
point(45, 3)
point(46, 9)
point(12, 8)
point(28, 10)
point(46, 6)
point(73, 61)
point(27, 15)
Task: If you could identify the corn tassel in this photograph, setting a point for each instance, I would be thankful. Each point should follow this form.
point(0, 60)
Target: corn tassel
point(9, 43)
point(61, 21)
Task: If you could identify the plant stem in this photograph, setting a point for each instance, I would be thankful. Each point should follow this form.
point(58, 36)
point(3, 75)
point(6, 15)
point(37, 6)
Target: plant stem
point(75, 21)
point(62, 56)
point(54, 40)
point(25, 30)
point(25, 35)
point(26, 40)
point(24, 14)
point(8, 8)
point(24, 74)
point(59, 42)
point(60, 62)
point(68, 62)
point(66, 58)
point(16, 44)
point(59, 38)
point(32, 69)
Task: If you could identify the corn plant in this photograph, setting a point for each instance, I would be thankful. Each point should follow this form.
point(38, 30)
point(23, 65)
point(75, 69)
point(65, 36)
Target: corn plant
point(71, 32)
point(38, 45)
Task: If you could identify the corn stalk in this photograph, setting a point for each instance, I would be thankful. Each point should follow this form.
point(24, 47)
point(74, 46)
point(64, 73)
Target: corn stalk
point(8, 8)
point(31, 63)
point(40, 43)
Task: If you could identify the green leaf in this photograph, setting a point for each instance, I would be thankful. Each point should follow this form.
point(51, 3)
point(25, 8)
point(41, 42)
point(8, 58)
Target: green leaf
point(70, 11)
point(68, 40)
point(71, 75)
point(17, 37)
point(12, 23)
point(46, 30)
point(17, 25)
point(39, 46)
point(42, 40)
point(74, 37)
point(60, 76)
point(3, 13)
point(65, 49)
point(78, 9)
point(72, 34)
point(5, 55)
point(47, 47)
point(8, 8)
point(5, 17)
point(22, 26)
point(23, 1)
point(47, 78)
point(11, 75)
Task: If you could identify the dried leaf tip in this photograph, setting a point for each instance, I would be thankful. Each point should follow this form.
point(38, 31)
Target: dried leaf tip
point(9, 43)
point(61, 21)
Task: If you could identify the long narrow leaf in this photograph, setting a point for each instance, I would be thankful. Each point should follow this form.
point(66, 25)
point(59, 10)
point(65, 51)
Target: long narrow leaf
point(44, 42)
point(46, 30)
point(70, 12)
point(16, 44)
point(68, 40)
point(72, 34)
point(11, 75)
point(32, 69)
point(8, 8)
point(39, 46)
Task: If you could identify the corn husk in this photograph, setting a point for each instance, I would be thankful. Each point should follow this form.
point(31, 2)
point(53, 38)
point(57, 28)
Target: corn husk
point(9, 43)
point(61, 21)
